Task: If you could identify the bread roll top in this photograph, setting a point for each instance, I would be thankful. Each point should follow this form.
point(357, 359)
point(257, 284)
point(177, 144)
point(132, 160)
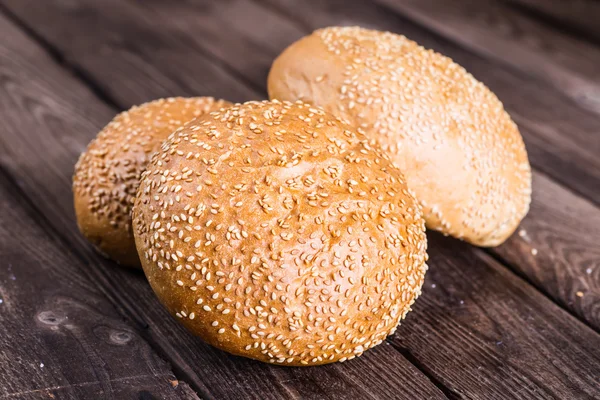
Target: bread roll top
point(275, 232)
point(460, 151)
point(107, 174)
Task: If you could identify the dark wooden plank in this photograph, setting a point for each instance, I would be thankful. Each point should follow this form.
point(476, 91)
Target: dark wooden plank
point(124, 70)
point(142, 388)
point(49, 117)
point(132, 61)
point(59, 335)
point(497, 31)
point(578, 17)
point(558, 249)
point(485, 334)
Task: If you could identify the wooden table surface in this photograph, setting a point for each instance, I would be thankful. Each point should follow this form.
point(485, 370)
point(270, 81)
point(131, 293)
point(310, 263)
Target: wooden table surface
point(520, 321)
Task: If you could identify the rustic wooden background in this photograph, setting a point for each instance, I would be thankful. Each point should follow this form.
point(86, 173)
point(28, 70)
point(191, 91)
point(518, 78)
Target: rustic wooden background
point(518, 321)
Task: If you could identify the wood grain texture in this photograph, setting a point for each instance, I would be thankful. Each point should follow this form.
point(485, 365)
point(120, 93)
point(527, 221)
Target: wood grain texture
point(499, 32)
point(59, 336)
point(485, 334)
point(578, 17)
point(558, 249)
point(441, 327)
point(142, 388)
point(123, 70)
point(49, 117)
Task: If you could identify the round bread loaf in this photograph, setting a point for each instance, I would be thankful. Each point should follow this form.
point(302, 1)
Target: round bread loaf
point(107, 174)
point(459, 150)
point(271, 231)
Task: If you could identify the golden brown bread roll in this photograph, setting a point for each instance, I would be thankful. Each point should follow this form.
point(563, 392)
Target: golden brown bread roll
point(107, 174)
point(460, 151)
point(271, 232)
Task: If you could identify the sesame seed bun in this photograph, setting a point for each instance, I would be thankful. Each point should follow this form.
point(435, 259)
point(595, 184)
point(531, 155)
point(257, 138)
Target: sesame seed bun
point(460, 151)
point(272, 232)
point(107, 174)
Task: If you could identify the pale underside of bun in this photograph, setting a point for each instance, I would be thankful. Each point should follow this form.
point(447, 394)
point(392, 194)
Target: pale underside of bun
point(459, 150)
point(107, 174)
point(272, 232)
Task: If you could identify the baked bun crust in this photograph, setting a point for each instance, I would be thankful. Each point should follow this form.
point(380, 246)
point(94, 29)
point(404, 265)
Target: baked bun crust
point(272, 232)
point(460, 151)
point(107, 174)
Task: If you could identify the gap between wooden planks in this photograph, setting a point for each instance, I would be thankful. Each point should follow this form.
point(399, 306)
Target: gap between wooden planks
point(240, 9)
point(50, 118)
